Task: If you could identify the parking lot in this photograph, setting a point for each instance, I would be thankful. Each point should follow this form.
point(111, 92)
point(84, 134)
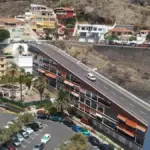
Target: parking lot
point(59, 132)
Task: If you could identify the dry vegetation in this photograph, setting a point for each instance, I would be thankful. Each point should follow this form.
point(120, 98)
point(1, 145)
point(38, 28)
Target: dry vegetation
point(123, 74)
point(104, 11)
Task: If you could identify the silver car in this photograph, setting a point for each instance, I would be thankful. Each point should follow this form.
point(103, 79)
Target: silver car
point(20, 137)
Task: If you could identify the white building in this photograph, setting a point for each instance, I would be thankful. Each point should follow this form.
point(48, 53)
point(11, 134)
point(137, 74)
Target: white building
point(90, 32)
point(21, 56)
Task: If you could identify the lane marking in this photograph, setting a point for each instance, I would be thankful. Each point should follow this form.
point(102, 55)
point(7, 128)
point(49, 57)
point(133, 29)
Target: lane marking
point(142, 112)
point(114, 93)
point(23, 146)
point(106, 87)
point(122, 98)
point(132, 105)
point(27, 141)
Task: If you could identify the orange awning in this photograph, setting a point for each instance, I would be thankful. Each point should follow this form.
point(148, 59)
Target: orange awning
point(125, 131)
point(40, 70)
point(128, 132)
point(75, 94)
point(68, 83)
point(140, 128)
point(124, 119)
point(51, 75)
point(131, 123)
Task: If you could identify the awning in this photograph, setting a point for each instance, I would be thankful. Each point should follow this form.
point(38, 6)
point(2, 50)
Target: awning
point(125, 131)
point(99, 115)
point(75, 94)
point(131, 124)
point(124, 119)
point(40, 70)
point(68, 83)
point(140, 128)
point(51, 75)
point(128, 132)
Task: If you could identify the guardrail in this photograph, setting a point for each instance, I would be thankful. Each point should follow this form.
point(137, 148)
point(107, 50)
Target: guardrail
point(112, 84)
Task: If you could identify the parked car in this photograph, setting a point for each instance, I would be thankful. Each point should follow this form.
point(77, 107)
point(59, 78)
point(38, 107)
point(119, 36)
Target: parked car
point(56, 118)
point(42, 116)
point(81, 130)
point(28, 130)
point(24, 133)
point(91, 77)
point(20, 137)
point(9, 145)
point(39, 146)
point(15, 141)
point(45, 138)
point(68, 122)
point(94, 141)
point(34, 126)
point(105, 147)
point(39, 124)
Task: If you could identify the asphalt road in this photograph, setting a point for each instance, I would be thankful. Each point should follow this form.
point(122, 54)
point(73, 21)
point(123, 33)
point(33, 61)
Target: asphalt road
point(123, 99)
point(58, 131)
point(4, 118)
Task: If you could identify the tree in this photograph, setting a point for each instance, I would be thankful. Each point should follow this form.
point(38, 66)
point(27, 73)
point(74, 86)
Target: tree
point(28, 82)
point(13, 71)
point(20, 49)
point(148, 37)
point(50, 108)
point(21, 81)
point(40, 85)
point(25, 118)
point(77, 142)
point(4, 34)
point(62, 101)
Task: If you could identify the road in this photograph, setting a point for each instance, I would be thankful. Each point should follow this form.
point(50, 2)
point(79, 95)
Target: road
point(127, 101)
point(58, 131)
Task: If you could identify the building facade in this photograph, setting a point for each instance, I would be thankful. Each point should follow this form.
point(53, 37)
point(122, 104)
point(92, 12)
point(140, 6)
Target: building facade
point(42, 18)
point(105, 116)
point(3, 65)
point(90, 33)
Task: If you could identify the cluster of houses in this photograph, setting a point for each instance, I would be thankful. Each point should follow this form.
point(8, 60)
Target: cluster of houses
point(40, 20)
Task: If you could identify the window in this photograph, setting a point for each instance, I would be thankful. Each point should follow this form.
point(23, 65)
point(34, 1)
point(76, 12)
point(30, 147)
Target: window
point(100, 109)
point(68, 76)
point(82, 98)
point(94, 96)
point(2, 59)
point(109, 123)
point(88, 102)
point(94, 29)
point(74, 79)
point(99, 29)
point(83, 28)
point(2, 66)
point(76, 89)
point(104, 101)
point(43, 14)
point(53, 70)
point(94, 105)
point(88, 93)
point(59, 73)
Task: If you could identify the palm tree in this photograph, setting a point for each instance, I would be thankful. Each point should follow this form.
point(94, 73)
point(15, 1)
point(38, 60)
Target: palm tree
point(21, 81)
point(13, 71)
point(40, 85)
point(62, 101)
point(28, 82)
point(20, 49)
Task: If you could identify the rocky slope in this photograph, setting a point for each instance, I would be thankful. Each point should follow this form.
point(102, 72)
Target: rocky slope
point(104, 11)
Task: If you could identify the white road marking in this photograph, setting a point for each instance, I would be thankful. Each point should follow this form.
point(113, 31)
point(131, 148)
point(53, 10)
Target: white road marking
point(106, 87)
point(114, 93)
point(142, 112)
point(27, 141)
point(31, 137)
point(132, 105)
point(122, 98)
point(23, 146)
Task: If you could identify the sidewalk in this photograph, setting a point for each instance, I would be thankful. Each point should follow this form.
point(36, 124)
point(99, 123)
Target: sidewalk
point(97, 134)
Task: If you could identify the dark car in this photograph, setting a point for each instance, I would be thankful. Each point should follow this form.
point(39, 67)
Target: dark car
point(42, 116)
point(68, 122)
point(39, 146)
point(33, 126)
point(105, 147)
point(94, 141)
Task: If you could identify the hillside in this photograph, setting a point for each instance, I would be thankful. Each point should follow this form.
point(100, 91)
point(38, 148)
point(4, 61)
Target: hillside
point(96, 11)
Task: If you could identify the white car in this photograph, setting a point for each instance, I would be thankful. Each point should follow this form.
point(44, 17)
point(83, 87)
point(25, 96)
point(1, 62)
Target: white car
point(45, 138)
point(28, 130)
point(91, 77)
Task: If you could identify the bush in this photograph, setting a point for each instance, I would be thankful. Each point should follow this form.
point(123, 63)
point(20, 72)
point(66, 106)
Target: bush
point(4, 34)
point(14, 108)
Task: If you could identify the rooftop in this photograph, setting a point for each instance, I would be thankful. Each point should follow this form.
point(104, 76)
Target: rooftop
point(10, 20)
point(65, 8)
point(120, 30)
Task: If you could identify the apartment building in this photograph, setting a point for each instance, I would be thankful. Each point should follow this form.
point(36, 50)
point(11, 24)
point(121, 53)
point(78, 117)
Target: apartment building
point(90, 32)
point(42, 18)
point(104, 115)
point(3, 65)
point(64, 13)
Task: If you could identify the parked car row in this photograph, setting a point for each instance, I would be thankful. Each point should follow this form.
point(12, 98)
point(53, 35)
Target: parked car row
point(16, 140)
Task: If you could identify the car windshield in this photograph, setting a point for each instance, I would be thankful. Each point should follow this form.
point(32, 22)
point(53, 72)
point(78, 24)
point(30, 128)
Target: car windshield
point(45, 137)
point(36, 146)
